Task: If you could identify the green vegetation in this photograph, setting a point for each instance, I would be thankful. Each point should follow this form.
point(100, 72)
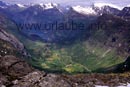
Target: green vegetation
point(79, 57)
point(74, 58)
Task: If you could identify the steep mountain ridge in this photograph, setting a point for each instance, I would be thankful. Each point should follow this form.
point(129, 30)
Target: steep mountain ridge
point(125, 13)
point(95, 9)
point(6, 36)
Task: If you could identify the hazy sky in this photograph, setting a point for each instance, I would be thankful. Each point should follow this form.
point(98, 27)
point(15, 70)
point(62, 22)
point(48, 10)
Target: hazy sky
point(72, 2)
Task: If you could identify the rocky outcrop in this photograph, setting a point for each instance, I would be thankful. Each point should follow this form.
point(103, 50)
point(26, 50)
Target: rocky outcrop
point(12, 68)
point(38, 79)
point(3, 80)
point(15, 72)
point(4, 35)
point(10, 38)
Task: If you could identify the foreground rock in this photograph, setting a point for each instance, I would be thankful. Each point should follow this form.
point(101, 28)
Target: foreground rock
point(15, 72)
point(14, 67)
point(3, 79)
point(38, 79)
point(11, 39)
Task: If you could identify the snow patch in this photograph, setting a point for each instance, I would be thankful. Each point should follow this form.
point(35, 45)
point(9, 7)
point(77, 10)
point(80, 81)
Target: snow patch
point(101, 86)
point(20, 5)
point(2, 7)
point(41, 4)
point(125, 85)
point(50, 5)
point(100, 5)
point(84, 10)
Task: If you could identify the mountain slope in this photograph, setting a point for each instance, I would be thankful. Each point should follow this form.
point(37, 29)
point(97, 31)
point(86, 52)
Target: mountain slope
point(114, 32)
point(102, 43)
point(84, 10)
point(125, 13)
point(7, 36)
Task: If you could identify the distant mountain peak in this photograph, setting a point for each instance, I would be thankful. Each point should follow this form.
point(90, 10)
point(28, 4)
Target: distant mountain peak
point(125, 12)
point(84, 10)
point(97, 9)
point(48, 5)
point(20, 5)
point(3, 5)
point(101, 5)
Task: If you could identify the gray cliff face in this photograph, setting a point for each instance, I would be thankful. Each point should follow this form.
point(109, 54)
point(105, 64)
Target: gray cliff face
point(10, 38)
point(4, 35)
